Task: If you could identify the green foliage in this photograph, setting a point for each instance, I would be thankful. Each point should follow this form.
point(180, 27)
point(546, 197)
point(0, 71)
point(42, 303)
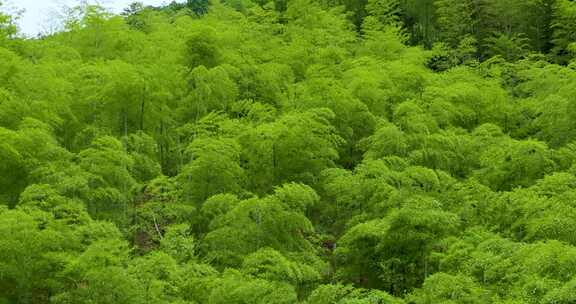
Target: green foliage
point(529, 160)
point(110, 181)
point(214, 168)
point(236, 289)
point(201, 49)
point(199, 7)
point(296, 147)
point(455, 20)
point(564, 32)
point(270, 265)
point(256, 151)
point(392, 252)
point(7, 27)
point(445, 288)
point(179, 243)
point(342, 294)
point(254, 224)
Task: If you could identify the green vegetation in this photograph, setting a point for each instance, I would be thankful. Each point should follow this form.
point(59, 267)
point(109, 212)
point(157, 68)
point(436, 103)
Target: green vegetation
point(291, 151)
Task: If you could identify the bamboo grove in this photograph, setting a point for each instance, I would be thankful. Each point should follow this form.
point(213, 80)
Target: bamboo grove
point(291, 151)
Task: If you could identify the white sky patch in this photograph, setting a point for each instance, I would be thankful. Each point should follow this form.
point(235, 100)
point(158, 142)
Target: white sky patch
point(39, 15)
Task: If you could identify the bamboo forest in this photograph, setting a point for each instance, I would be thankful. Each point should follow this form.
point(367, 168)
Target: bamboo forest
point(290, 151)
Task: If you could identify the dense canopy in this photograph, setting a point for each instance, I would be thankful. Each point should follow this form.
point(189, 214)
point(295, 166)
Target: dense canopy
point(291, 151)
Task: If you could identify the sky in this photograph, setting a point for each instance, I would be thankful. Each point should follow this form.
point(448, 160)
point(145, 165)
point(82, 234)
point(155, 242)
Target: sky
point(39, 14)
